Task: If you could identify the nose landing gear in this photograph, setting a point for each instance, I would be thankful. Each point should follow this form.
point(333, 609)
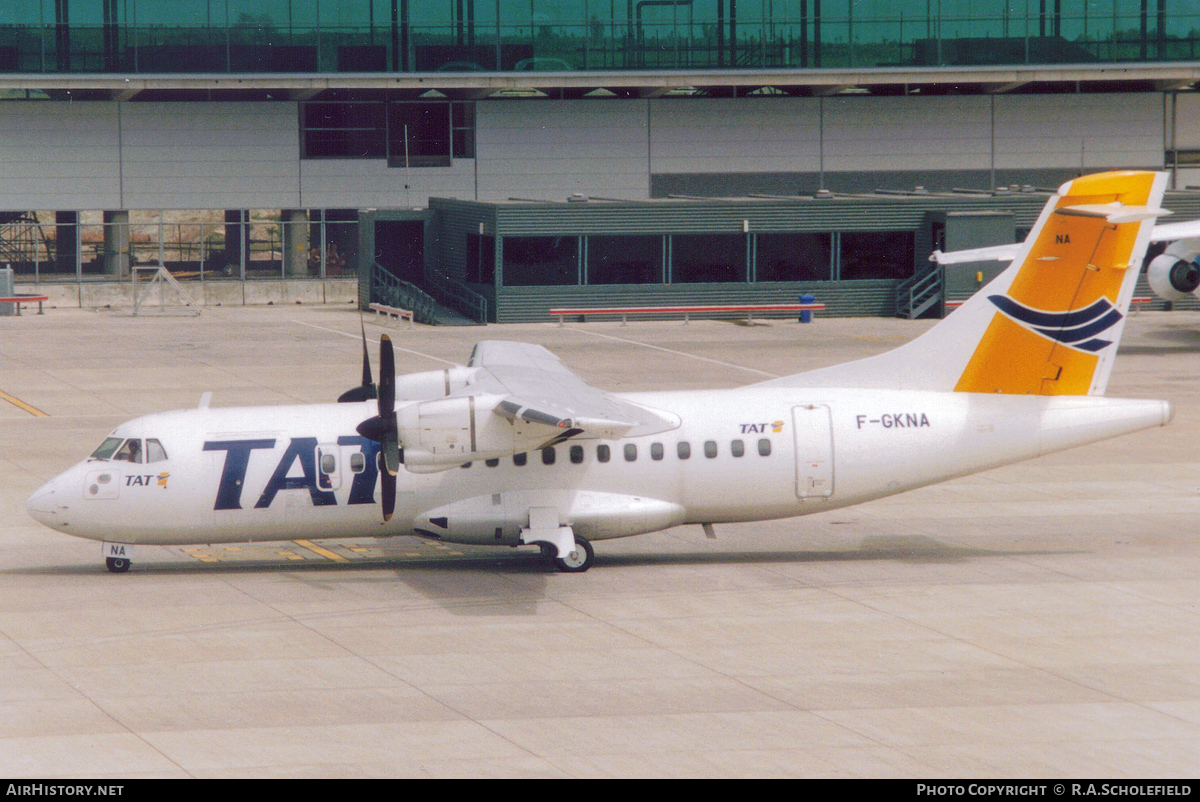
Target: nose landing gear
point(118, 557)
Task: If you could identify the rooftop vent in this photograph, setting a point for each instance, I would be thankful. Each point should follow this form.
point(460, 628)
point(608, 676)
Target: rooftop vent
point(577, 197)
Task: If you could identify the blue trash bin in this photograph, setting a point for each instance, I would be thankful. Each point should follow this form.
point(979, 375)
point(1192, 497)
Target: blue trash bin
point(806, 314)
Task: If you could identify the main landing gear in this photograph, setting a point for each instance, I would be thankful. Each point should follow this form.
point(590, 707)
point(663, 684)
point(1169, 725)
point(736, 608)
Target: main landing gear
point(572, 555)
point(578, 559)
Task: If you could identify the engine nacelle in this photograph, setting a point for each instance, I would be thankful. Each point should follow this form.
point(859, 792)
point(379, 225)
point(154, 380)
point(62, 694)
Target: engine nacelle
point(447, 432)
point(432, 384)
point(1172, 277)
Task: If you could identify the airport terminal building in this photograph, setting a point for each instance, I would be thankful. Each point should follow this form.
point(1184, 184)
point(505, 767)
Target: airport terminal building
point(493, 158)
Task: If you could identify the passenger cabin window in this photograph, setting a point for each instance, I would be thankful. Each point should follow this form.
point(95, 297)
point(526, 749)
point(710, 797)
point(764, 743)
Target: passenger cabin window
point(519, 459)
point(358, 463)
point(131, 451)
point(656, 451)
point(548, 456)
point(328, 463)
point(737, 448)
point(576, 454)
point(710, 448)
point(603, 453)
point(764, 447)
point(491, 463)
point(683, 449)
point(630, 452)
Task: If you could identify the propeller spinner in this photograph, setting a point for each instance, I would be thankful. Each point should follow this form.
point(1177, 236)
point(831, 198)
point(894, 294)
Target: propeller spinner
point(383, 428)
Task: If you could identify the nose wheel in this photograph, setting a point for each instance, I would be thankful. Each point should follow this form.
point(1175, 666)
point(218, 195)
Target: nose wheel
point(118, 565)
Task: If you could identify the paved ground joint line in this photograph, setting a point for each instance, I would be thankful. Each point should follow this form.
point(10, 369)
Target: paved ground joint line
point(672, 351)
point(394, 346)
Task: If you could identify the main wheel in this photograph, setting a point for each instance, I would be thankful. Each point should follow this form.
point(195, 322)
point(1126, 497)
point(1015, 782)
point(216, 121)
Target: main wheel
point(117, 565)
point(579, 560)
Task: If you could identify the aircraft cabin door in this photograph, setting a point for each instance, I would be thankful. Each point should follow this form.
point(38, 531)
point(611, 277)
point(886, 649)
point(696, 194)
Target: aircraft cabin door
point(813, 434)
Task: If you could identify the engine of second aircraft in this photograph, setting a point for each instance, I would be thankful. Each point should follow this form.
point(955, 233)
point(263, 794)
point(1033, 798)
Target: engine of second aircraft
point(1175, 273)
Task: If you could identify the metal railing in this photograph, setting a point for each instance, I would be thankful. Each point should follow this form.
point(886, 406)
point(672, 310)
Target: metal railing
point(917, 295)
point(457, 295)
point(386, 288)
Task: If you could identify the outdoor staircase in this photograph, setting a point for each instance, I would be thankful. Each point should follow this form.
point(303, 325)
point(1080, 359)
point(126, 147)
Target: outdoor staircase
point(921, 295)
point(386, 288)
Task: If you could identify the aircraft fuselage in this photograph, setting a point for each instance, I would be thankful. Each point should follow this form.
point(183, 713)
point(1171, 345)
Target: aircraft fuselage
point(249, 474)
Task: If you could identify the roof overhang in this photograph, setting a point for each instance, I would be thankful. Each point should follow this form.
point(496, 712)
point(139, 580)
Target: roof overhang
point(656, 83)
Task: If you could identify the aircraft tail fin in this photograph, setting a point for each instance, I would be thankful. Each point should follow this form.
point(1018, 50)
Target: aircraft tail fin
point(1049, 324)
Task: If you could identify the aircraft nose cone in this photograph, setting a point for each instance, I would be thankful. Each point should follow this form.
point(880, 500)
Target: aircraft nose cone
point(46, 504)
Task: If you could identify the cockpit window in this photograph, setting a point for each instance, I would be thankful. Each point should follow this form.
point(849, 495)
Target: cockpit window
point(106, 449)
point(131, 451)
point(154, 451)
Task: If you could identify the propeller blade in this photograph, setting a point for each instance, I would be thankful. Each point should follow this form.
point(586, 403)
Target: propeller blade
point(365, 391)
point(387, 377)
point(390, 448)
point(387, 483)
point(384, 428)
point(366, 381)
point(357, 394)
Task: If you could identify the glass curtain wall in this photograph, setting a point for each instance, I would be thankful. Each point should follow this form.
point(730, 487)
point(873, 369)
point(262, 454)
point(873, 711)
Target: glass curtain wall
point(692, 258)
point(251, 244)
point(300, 36)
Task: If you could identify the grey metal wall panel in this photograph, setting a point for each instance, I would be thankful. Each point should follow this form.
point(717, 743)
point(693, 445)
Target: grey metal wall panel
point(358, 183)
point(59, 155)
point(907, 133)
point(1187, 121)
point(551, 149)
point(210, 155)
point(734, 135)
point(1085, 131)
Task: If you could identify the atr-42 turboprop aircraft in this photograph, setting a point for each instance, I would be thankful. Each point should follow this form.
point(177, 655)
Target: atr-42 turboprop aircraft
point(515, 449)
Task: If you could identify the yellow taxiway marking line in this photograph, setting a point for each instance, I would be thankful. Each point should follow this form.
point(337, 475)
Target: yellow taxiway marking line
point(16, 402)
point(308, 544)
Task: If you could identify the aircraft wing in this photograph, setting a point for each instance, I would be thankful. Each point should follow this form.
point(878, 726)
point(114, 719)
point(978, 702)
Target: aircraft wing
point(1165, 232)
point(1169, 232)
point(537, 388)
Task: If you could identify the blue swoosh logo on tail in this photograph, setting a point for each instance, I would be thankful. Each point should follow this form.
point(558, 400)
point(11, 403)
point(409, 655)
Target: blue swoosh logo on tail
point(1077, 329)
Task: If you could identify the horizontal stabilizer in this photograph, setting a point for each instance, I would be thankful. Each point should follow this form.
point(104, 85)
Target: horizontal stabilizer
point(1112, 212)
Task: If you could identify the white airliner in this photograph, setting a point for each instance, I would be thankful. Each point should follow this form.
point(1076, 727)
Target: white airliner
point(515, 449)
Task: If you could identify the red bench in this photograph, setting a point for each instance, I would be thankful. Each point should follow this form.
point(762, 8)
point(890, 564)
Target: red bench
point(686, 311)
point(22, 299)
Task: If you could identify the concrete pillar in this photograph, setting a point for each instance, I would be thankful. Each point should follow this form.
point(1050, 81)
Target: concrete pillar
point(7, 288)
point(295, 242)
point(237, 242)
point(116, 243)
point(66, 242)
